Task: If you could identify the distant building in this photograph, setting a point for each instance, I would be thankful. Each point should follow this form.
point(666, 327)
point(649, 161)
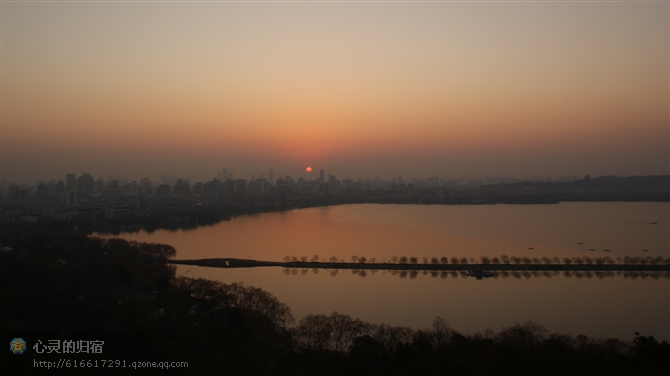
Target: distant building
point(85, 184)
point(146, 187)
point(71, 182)
point(241, 187)
point(163, 190)
point(271, 176)
point(181, 188)
point(72, 198)
point(199, 188)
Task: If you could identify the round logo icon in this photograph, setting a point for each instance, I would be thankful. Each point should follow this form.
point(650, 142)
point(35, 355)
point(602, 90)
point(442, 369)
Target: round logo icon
point(17, 346)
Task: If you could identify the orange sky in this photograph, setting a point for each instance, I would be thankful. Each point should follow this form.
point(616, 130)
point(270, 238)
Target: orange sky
point(358, 89)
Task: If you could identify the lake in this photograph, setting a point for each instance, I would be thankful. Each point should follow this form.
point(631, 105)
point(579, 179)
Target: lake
point(583, 304)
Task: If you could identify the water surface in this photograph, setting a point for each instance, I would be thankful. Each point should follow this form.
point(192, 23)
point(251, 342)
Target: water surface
point(609, 307)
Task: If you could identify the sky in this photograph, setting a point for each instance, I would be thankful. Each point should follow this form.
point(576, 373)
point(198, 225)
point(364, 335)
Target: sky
point(359, 89)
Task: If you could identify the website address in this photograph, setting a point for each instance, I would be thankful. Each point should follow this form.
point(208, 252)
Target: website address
point(68, 363)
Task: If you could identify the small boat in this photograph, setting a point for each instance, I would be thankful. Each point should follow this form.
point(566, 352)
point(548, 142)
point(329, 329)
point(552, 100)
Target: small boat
point(479, 274)
point(653, 223)
point(645, 250)
point(531, 248)
point(592, 249)
point(580, 243)
point(607, 250)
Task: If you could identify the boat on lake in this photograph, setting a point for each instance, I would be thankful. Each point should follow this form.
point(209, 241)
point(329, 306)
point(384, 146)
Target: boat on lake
point(479, 274)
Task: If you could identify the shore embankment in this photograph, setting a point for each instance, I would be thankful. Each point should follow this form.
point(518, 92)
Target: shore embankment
point(246, 263)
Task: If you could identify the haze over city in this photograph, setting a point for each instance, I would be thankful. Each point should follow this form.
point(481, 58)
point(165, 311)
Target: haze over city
point(358, 89)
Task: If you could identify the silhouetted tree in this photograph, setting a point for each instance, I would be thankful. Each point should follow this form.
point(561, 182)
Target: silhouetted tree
point(441, 331)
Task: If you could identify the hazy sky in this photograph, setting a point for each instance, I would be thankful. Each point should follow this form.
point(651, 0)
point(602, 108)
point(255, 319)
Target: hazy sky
point(356, 88)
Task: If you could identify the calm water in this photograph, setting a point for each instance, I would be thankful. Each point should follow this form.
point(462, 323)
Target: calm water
point(609, 307)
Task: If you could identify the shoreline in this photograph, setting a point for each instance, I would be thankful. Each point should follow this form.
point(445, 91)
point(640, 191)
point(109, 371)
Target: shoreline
point(244, 263)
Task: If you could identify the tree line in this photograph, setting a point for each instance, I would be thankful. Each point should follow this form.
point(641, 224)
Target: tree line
point(485, 260)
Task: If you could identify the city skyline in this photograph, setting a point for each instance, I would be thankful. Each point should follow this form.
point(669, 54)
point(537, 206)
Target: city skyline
point(357, 89)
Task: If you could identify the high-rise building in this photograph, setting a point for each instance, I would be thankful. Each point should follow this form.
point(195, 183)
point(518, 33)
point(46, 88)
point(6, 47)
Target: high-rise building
point(321, 176)
point(85, 183)
point(271, 177)
point(72, 198)
point(71, 181)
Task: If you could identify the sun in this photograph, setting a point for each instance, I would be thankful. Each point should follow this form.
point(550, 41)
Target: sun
point(308, 169)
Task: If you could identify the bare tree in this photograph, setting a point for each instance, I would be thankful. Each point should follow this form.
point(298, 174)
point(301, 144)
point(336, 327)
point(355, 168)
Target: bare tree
point(425, 260)
point(315, 258)
point(464, 261)
point(333, 259)
point(413, 260)
point(402, 260)
point(567, 261)
point(504, 259)
point(373, 260)
point(394, 259)
point(441, 331)
point(362, 260)
point(444, 260)
point(287, 259)
point(495, 260)
point(485, 260)
point(434, 261)
point(454, 260)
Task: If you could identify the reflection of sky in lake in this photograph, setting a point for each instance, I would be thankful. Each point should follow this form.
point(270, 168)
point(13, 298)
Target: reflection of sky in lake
point(598, 307)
